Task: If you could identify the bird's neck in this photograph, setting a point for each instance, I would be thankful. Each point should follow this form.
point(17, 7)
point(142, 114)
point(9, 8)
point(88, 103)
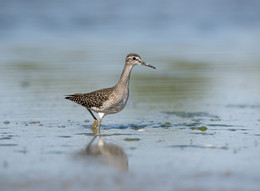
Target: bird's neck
point(125, 77)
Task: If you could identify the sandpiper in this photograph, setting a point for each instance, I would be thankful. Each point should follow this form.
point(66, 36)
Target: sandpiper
point(109, 100)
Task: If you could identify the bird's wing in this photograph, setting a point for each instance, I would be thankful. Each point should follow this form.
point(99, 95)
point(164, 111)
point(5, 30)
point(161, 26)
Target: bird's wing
point(92, 99)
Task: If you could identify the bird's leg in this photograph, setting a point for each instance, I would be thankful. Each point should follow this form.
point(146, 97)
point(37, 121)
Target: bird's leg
point(93, 127)
point(99, 125)
point(95, 123)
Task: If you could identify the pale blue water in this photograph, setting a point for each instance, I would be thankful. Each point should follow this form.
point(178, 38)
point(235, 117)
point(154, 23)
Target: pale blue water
point(191, 124)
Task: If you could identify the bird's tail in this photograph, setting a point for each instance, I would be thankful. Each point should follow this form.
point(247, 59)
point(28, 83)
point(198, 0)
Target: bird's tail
point(74, 97)
point(69, 96)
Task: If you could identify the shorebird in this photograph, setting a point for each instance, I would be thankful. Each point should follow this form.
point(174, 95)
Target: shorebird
point(109, 100)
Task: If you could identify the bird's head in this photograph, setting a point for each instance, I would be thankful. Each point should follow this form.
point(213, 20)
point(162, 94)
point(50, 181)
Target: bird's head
point(135, 59)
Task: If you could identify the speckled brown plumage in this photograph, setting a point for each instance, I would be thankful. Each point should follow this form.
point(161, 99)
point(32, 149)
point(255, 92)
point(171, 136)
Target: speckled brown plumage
point(92, 99)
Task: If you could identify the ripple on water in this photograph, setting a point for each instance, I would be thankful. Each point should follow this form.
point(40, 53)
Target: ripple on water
point(202, 128)
point(55, 152)
point(183, 114)
point(132, 139)
point(6, 138)
point(8, 145)
point(64, 136)
point(221, 125)
point(207, 146)
point(243, 106)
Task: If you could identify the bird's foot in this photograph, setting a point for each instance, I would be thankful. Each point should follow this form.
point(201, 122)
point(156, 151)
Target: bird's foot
point(94, 126)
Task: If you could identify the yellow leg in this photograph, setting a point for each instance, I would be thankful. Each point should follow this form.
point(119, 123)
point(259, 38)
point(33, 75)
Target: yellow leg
point(99, 126)
point(95, 123)
point(93, 126)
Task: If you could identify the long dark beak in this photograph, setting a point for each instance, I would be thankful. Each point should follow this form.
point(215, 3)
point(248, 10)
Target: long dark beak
point(145, 64)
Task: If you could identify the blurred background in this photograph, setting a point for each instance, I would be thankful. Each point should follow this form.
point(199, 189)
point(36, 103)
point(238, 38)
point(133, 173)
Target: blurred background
point(202, 29)
point(229, 28)
point(59, 47)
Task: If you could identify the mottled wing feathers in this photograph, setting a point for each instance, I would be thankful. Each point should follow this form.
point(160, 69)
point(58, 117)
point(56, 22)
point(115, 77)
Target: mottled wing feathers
point(92, 99)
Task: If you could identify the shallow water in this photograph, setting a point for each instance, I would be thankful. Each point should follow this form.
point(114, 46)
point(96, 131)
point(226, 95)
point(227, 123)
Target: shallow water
point(191, 124)
point(190, 134)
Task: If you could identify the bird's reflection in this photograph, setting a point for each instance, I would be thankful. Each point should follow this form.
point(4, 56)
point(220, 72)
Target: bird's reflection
point(107, 153)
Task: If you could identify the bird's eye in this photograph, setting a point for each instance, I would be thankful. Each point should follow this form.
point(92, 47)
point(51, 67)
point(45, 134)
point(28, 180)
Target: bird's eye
point(134, 58)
